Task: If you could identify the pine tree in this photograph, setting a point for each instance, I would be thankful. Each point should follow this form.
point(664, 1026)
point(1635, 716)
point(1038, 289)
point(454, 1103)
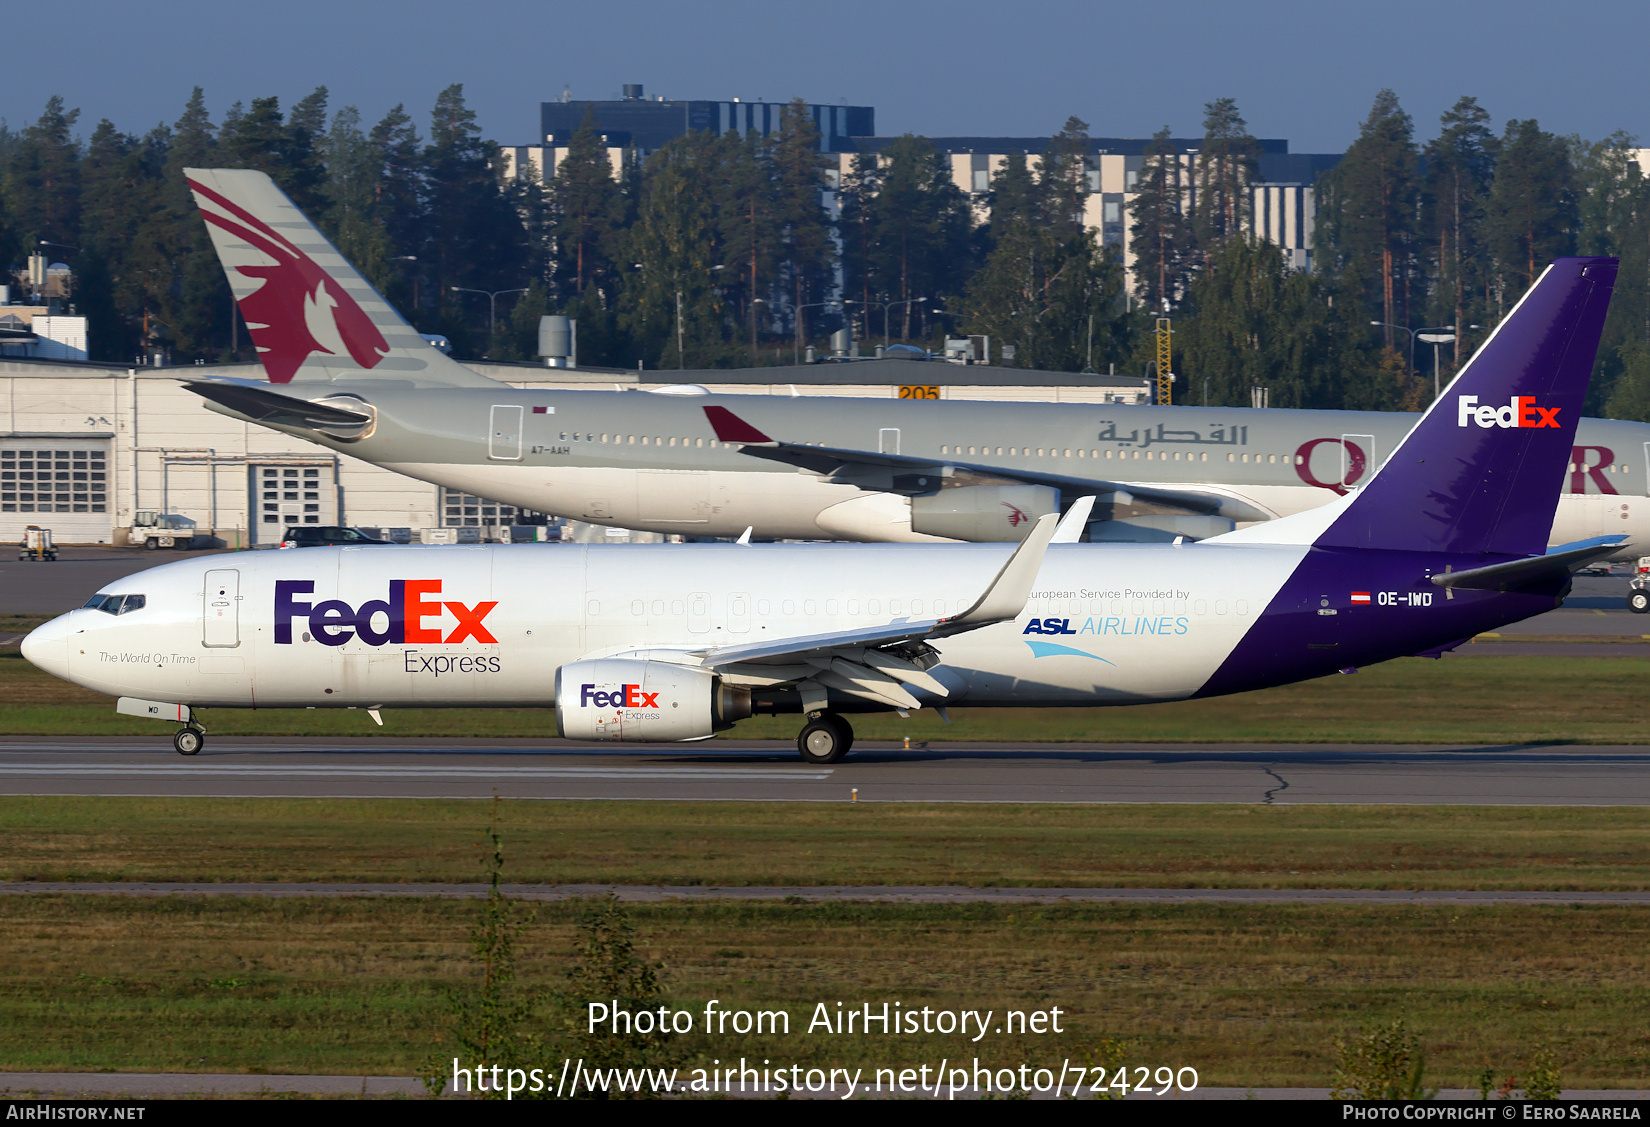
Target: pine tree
point(351, 217)
point(583, 205)
point(1161, 236)
point(1366, 217)
point(806, 253)
point(1251, 321)
point(748, 231)
point(671, 305)
point(1227, 165)
point(1064, 178)
point(1460, 166)
point(857, 195)
point(919, 229)
point(1531, 214)
point(477, 239)
point(399, 208)
point(186, 299)
point(42, 181)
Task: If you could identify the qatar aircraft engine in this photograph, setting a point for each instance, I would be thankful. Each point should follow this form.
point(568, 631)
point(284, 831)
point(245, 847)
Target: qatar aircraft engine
point(674, 642)
point(346, 372)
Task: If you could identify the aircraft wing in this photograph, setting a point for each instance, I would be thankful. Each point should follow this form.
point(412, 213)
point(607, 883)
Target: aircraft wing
point(877, 663)
point(259, 402)
point(911, 475)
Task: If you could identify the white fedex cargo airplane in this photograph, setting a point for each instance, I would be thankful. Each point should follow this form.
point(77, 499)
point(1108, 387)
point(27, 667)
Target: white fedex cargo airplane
point(673, 642)
point(346, 372)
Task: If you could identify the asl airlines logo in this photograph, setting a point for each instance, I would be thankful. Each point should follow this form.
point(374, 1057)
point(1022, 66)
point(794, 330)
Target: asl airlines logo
point(1521, 412)
point(625, 696)
point(299, 309)
point(334, 622)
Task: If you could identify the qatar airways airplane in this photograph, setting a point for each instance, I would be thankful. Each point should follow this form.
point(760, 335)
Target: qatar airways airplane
point(662, 643)
point(346, 372)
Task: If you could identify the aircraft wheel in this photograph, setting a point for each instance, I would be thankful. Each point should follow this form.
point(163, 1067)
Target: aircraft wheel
point(825, 739)
point(151, 543)
point(1639, 602)
point(188, 741)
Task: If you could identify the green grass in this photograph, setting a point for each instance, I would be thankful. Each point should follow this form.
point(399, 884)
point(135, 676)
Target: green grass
point(732, 843)
point(1411, 700)
point(1249, 996)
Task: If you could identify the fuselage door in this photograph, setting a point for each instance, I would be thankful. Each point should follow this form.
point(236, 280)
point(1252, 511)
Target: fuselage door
point(221, 610)
point(739, 613)
point(888, 440)
point(1647, 469)
point(504, 439)
point(698, 612)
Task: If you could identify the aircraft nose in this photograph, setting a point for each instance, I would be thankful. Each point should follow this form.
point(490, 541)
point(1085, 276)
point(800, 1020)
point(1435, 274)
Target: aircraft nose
point(47, 647)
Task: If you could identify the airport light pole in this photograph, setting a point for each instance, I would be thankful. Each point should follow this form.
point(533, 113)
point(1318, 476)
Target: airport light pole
point(796, 345)
point(889, 305)
point(1443, 334)
point(492, 303)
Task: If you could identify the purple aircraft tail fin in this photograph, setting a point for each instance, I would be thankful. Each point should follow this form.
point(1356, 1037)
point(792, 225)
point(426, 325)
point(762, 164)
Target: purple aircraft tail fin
point(1481, 471)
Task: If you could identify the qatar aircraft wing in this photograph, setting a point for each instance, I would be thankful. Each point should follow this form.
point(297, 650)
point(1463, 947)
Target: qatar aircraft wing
point(918, 476)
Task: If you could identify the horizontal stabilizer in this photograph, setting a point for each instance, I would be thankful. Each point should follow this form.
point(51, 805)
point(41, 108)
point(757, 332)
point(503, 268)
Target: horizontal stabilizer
point(262, 404)
point(1559, 562)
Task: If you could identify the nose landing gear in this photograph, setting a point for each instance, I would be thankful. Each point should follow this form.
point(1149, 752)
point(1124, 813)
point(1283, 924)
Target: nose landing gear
point(826, 738)
point(190, 740)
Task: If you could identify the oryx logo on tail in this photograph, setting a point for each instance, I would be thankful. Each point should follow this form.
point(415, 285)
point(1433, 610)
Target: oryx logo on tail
point(299, 308)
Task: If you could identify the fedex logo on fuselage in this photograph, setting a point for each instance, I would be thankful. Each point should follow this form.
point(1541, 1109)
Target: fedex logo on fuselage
point(334, 622)
point(1521, 412)
point(625, 696)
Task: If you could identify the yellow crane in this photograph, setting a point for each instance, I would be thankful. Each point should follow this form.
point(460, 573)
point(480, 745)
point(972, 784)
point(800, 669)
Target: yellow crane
point(1165, 376)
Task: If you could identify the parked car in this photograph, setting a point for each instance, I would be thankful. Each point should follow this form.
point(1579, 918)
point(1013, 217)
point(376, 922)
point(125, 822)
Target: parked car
point(326, 536)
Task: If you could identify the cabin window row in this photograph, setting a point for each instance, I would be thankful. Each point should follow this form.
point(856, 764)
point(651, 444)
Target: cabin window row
point(894, 607)
point(639, 440)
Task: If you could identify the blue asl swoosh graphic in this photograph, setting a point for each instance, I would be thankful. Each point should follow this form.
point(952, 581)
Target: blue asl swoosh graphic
point(1054, 649)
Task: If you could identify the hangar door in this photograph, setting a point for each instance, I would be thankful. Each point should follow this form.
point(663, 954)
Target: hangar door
point(57, 483)
point(287, 495)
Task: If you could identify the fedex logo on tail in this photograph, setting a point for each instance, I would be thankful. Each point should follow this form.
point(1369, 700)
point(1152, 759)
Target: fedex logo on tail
point(1521, 412)
point(625, 696)
point(334, 622)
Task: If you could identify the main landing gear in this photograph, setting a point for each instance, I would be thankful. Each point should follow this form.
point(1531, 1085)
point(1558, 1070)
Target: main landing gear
point(190, 740)
point(826, 738)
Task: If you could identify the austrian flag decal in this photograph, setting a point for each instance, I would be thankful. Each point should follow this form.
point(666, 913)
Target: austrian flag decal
point(1360, 598)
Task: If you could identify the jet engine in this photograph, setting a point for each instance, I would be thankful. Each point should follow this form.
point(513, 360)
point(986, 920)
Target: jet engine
point(636, 700)
point(983, 512)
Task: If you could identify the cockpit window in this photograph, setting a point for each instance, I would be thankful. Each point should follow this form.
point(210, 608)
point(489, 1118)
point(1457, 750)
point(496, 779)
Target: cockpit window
point(115, 604)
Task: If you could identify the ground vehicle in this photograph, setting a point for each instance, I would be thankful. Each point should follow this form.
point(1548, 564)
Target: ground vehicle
point(162, 530)
point(326, 536)
point(1638, 588)
point(37, 544)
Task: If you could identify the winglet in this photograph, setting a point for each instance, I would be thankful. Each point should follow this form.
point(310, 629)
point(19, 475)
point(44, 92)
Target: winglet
point(1007, 595)
point(731, 428)
point(1070, 530)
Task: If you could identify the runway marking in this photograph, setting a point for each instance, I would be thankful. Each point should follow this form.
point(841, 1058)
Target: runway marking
point(724, 774)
